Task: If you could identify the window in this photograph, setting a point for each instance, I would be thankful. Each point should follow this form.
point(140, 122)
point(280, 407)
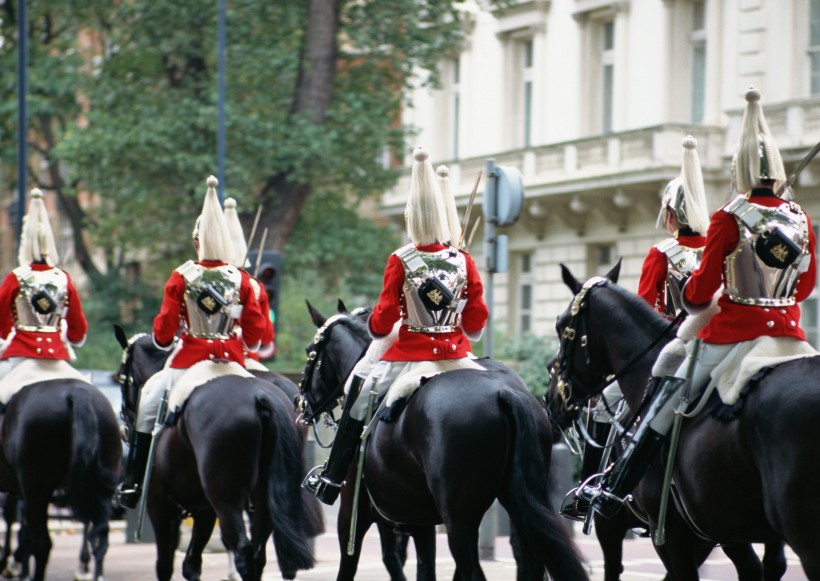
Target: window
point(607, 72)
point(601, 258)
point(526, 76)
point(525, 298)
point(697, 44)
point(455, 105)
point(814, 45)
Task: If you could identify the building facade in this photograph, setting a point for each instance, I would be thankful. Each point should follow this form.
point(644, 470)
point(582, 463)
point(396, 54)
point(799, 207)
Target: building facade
point(590, 99)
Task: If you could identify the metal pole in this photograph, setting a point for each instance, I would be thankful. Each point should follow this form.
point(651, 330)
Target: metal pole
point(22, 115)
point(220, 138)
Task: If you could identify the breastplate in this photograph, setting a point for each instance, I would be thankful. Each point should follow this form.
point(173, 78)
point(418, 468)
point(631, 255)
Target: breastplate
point(449, 268)
point(681, 261)
point(42, 299)
point(211, 299)
point(748, 279)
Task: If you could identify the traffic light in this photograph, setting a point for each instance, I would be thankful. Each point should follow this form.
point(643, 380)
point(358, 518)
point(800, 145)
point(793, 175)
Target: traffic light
point(267, 269)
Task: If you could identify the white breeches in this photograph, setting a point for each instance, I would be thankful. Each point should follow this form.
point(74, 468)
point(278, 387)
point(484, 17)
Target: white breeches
point(709, 356)
point(6, 365)
point(612, 395)
point(151, 396)
point(382, 376)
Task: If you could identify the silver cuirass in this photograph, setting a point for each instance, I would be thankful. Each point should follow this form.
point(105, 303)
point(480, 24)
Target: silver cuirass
point(449, 268)
point(748, 279)
point(211, 299)
point(41, 302)
point(681, 261)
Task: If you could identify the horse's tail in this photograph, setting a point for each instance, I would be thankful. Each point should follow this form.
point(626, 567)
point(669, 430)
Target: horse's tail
point(285, 501)
point(542, 536)
point(90, 485)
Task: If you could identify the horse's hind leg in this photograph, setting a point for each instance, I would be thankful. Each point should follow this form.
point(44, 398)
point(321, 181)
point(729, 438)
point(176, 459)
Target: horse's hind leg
point(165, 518)
point(83, 572)
point(774, 561)
point(746, 562)
point(95, 538)
point(232, 527)
point(390, 552)
point(463, 542)
point(35, 511)
point(610, 534)
point(424, 539)
point(200, 534)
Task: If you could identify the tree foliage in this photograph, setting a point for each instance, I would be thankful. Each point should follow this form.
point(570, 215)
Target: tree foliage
point(123, 100)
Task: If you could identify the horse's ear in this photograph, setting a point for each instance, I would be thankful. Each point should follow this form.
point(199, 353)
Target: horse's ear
point(318, 318)
point(119, 333)
point(615, 272)
point(340, 306)
point(570, 280)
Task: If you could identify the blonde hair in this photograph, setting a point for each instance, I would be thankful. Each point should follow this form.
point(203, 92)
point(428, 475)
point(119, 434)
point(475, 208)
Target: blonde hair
point(212, 229)
point(240, 247)
point(756, 144)
point(36, 237)
point(450, 207)
point(425, 212)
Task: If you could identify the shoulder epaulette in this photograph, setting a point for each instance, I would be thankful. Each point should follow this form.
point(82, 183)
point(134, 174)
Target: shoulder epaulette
point(409, 255)
point(187, 269)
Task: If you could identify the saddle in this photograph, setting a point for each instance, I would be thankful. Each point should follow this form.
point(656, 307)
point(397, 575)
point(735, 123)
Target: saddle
point(199, 374)
point(36, 371)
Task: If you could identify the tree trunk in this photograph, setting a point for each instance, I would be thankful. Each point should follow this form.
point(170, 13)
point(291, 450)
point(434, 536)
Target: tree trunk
point(284, 195)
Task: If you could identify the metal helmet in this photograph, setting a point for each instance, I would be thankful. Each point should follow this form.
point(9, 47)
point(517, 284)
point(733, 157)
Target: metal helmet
point(37, 239)
point(425, 212)
point(211, 229)
point(449, 203)
point(685, 196)
point(240, 247)
point(757, 157)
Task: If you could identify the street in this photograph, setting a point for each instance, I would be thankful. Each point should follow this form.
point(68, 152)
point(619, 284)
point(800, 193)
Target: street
point(135, 561)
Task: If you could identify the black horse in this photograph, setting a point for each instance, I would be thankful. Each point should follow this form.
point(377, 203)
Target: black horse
point(234, 443)
point(741, 481)
point(61, 434)
point(465, 438)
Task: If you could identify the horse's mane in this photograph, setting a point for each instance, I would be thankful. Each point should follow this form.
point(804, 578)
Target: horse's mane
point(634, 307)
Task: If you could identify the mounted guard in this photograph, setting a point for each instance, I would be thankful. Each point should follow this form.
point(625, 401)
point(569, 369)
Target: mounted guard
point(41, 314)
point(761, 249)
point(667, 264)
point(207, 302)
point(434, 290)
point(240, 260)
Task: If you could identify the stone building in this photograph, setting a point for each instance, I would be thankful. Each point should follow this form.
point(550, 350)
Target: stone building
point(590, 100)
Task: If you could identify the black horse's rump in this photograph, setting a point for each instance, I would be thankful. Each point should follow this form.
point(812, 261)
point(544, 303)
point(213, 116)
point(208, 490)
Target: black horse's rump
point(234, 445)
point(466, 438)
point(61, 434)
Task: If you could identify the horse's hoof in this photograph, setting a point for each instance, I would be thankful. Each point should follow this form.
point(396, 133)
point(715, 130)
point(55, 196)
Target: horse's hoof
point(288, 574)
point(80, 575)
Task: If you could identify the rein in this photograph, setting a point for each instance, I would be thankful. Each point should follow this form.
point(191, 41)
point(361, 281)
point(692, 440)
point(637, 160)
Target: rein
point(576, 329)
point(310, 409)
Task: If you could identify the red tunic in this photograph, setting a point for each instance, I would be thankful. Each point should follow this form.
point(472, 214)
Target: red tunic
point(270, 333)
point(194, 350)
point(652, 284)
point(736, 322)
point(412, 346)
point(35, 344)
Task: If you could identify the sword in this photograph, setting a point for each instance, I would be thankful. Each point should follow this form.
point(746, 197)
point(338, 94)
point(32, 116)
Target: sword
point(253, 232)
point(800, 167)
point(469, 209)
point(660, 529)
point(152, 451)
point(259, 254)
point(351, 541)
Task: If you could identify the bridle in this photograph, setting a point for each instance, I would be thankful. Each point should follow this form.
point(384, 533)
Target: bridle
point(575, 337)
point(125, 377)
point(310, 408)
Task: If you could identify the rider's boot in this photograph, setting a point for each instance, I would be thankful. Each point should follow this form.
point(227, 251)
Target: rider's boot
point(633, 464)
point(576, 507)
point(129, 492)
point(327, 485)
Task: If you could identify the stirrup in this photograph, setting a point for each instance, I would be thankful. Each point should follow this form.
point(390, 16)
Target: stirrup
point(576, 503)
point(129, 497)
point(607, 504)
point(316, 482)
